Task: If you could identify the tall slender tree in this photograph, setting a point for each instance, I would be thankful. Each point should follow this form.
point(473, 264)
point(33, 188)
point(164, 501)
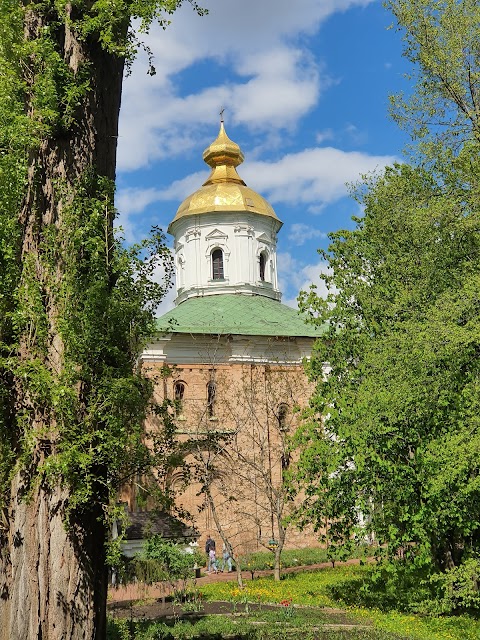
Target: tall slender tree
point(75, 308)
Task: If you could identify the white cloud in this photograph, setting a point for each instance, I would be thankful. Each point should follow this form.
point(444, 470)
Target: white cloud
point(314, 177)
point(300, 232)
point(133, 200)
point(126, 228)
point(357, 136)
point(323, 136)
point(167, 303)
point(273, 82)
point(295, 277)
point(317, 176)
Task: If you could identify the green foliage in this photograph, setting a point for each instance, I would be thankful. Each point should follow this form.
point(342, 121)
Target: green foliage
point(459, 590)
point(388, 586)
point(279, 624)
point(321, 588)
point(441, 41)
point(176, 561)
point(119, 629)
point(262, 560)
point(163, 561)
point(105, 303)
point(400, 438)
point(80, 306)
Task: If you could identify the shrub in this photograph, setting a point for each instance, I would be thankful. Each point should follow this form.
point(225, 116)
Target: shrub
point(411, 587)
point(388, 585)
point(162, 561)
point(459, 590)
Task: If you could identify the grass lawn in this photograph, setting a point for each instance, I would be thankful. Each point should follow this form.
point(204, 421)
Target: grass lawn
point(310, 588)
point(298, 557)
point(286, 623)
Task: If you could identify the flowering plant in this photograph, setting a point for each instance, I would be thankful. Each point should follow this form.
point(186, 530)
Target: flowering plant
point(288, 610)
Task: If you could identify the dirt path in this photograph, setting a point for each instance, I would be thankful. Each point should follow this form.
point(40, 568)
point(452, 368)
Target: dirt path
point(169, 612)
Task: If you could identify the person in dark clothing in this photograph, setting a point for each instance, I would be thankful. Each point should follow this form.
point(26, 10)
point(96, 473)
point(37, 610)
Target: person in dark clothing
point(209, 546)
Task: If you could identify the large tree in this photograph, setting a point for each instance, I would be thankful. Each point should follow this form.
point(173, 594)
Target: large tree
point(400, 438)
point(74, 309)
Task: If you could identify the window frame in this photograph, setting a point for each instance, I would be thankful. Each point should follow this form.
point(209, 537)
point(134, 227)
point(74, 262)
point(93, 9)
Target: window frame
point(217, 264)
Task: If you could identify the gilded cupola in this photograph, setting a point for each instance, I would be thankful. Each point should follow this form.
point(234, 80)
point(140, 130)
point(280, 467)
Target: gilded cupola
point(224, 190)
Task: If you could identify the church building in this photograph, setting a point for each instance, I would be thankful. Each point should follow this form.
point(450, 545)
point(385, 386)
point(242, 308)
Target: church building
point(229, 356)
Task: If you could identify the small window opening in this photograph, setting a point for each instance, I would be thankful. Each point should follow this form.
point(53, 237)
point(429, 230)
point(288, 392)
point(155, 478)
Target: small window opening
point(282, 417)
point(285, 460)
point(217, 264)
point(262, 267)
point(179, 392)
point(211, 393)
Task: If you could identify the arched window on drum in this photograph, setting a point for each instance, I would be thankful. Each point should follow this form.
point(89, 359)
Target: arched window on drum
point(217, 264)
point(263, 265)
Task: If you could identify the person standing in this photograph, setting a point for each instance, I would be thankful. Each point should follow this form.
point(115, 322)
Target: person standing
point(212, 561)
point(227, 559)
point(210, 546)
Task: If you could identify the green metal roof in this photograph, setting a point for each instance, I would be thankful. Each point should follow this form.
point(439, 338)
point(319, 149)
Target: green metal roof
point(237, 314)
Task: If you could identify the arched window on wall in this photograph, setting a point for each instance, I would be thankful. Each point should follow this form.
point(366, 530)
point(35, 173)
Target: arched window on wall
point(211, 393)
point(263, 261)
point(178, 394)
point(282, 416)
point(282, 413)
point(217, 264)
point(177, 481)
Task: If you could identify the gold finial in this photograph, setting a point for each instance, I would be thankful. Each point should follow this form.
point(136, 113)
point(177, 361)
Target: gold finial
point(223, 155)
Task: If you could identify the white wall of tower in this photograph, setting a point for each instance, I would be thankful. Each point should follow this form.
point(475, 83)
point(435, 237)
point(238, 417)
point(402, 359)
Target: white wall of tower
point(244, 239)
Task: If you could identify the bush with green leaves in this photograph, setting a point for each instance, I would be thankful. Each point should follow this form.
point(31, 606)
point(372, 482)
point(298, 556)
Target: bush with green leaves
point(388, 585)
point(413, 587)
point(459, 590)
point(163, 561)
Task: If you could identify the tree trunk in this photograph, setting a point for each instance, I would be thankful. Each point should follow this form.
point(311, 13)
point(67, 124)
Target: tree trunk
point(54, 583)
point(238, 569)
point(53, 580)
point(276, 566)
point(279, 549)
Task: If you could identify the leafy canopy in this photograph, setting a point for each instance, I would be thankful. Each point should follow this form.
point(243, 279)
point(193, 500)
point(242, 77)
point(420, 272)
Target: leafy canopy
point(395, 455)
point(81, 299)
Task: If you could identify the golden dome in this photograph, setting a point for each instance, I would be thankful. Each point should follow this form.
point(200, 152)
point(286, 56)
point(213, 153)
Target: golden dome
point(224, 190)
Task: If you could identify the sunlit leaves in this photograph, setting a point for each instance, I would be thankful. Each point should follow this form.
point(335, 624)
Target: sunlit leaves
point(441, 39)
point(401, 397)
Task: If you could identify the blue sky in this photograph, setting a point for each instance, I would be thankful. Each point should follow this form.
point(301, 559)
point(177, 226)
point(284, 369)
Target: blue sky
point(305, 87)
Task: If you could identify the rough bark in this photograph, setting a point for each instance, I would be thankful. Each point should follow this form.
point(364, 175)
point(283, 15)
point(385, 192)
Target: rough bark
point(53, 580)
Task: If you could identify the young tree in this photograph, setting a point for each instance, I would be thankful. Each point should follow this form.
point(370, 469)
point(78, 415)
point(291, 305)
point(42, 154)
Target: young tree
point(75, 308)
point(400, 438)
point(240, 456)
point(442, 109)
